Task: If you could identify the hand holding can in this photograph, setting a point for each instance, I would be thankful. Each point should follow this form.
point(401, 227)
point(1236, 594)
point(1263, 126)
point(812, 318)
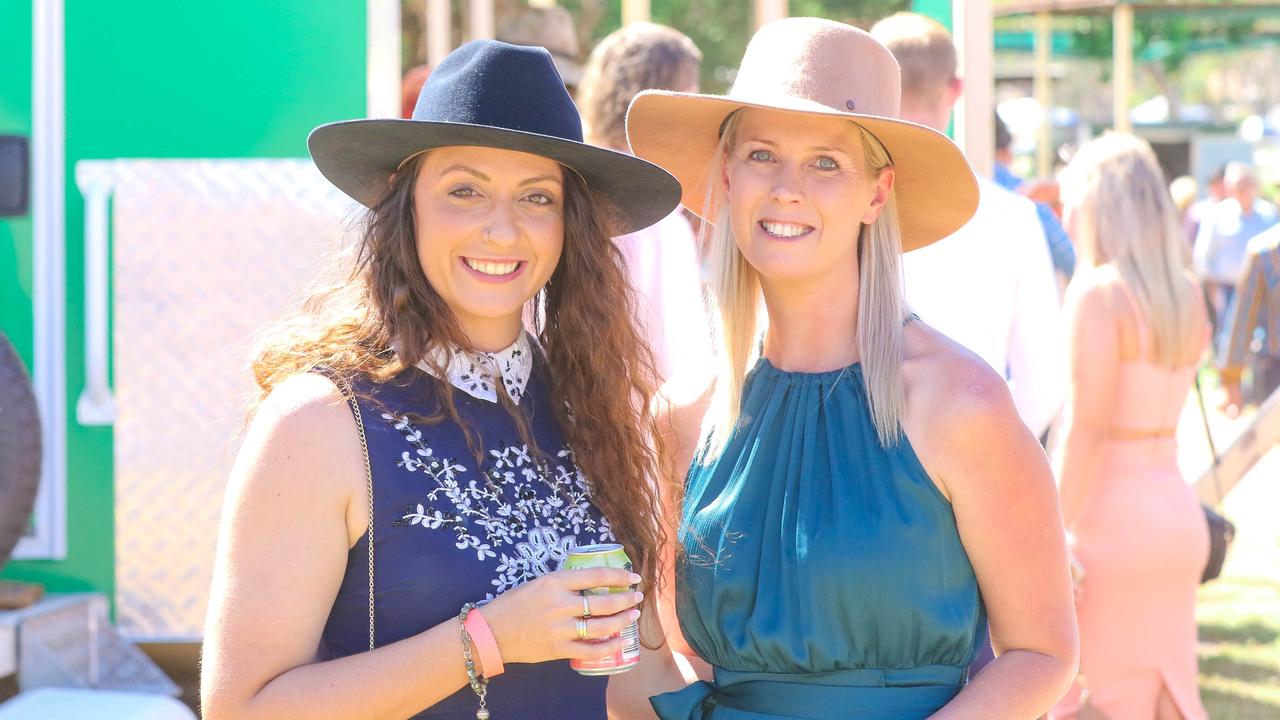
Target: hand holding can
point(604, 555)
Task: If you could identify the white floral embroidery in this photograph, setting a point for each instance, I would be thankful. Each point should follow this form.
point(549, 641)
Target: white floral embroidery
point(503, 515)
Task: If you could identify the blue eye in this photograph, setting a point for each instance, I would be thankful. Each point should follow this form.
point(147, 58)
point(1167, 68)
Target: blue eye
point(826, 162)
point(760, 156)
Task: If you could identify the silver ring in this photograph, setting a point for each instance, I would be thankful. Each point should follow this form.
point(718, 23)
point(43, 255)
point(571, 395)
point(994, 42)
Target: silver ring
point(582, 629)
point(586, 607)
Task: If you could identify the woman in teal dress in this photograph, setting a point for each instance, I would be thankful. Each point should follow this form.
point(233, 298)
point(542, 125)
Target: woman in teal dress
point(863, 498)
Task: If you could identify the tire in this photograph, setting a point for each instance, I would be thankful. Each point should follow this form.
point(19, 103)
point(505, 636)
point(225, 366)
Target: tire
point(20, 449)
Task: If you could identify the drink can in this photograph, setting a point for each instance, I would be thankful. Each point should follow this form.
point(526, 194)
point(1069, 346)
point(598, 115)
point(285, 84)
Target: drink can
point(606, 555)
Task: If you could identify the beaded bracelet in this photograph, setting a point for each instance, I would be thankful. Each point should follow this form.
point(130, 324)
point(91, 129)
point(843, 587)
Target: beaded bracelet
point(479, 684)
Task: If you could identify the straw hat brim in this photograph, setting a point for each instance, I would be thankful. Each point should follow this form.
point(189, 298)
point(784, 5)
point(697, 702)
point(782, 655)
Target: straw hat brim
point(359, 156)
point(935, 187)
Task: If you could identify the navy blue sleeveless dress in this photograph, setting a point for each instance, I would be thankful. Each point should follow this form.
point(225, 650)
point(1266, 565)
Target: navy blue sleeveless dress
point(448, 532)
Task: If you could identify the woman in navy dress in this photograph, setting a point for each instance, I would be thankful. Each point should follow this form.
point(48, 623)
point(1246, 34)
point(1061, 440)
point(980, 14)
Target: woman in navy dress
point(484, 353)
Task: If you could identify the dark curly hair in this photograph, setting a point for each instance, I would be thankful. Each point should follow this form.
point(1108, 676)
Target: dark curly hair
point(602, 376)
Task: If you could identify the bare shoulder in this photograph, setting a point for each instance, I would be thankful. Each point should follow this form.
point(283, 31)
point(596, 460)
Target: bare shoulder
point(681, 403)
point(1097, 290)
point(302, 442)
point(678, 410)
point(959, 413)
point(305, 405)
point(947, 382)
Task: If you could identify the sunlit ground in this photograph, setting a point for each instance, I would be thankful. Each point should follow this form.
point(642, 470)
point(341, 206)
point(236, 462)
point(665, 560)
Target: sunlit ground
point(1239, 614)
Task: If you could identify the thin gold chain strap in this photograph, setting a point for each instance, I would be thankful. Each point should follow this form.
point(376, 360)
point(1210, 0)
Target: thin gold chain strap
point(368, 482)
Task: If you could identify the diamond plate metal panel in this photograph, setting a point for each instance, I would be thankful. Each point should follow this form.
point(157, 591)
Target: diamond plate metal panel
point(205, 252)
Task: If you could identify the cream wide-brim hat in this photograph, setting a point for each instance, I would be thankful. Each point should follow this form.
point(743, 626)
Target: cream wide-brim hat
point(820, 67)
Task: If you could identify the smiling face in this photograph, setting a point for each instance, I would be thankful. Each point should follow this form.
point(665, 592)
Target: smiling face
point(490, 229)
point(799, 192)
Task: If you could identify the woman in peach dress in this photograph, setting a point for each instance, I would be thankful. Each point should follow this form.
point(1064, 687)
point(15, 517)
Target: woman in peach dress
point(1137, 330)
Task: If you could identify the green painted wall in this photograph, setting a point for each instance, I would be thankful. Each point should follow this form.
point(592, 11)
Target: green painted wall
point(939, 10)
point(164, 79)
point(15, 232)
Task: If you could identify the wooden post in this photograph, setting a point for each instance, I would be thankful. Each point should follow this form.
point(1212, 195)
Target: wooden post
point(974, 119)
point(1122, 66)
point(769, 10)
point(480, 17)
point(634, 11)
point(439, 31)
point(1261, 436)
point(1044, 97)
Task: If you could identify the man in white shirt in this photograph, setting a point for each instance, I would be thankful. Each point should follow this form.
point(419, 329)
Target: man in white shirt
point(991, 285)
point(1224, 234)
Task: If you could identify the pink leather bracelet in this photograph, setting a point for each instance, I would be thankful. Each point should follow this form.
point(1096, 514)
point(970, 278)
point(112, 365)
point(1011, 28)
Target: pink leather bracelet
point(485, 644)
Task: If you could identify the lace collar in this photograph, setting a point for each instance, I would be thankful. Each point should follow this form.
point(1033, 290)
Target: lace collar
point(478, 373)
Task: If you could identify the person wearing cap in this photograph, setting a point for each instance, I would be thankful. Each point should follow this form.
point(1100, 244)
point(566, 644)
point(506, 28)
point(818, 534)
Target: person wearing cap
point(860, 493)
point(421, 461)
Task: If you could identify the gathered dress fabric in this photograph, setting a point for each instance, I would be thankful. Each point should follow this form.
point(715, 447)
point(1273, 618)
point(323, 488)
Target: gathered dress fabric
point(1143, 543)
point(451, 529)
point(819, 573)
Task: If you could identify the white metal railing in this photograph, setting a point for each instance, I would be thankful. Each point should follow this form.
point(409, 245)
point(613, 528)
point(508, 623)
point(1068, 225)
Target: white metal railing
point(48, 216)
point(96, 180)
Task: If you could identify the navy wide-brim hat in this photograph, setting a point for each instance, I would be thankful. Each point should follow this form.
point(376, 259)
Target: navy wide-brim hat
point(491, 94)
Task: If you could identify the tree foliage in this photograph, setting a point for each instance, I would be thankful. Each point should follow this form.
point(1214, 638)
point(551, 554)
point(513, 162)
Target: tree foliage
point(721, 28)
point(1166, 37)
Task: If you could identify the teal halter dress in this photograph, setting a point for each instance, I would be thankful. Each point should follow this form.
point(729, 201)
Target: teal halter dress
point(820, 574)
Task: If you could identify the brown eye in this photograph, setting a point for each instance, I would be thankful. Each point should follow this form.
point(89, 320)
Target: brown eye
point(464, 192)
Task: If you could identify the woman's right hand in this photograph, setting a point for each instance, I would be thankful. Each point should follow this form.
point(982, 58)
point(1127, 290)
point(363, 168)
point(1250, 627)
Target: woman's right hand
point(538, 621)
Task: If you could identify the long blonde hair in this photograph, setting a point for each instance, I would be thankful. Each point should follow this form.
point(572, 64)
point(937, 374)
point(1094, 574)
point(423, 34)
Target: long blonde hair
point(1125, 217)
point(734, 294)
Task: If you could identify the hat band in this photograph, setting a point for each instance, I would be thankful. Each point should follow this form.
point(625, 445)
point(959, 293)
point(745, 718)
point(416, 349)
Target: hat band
point(414, 155)
point(424, 152)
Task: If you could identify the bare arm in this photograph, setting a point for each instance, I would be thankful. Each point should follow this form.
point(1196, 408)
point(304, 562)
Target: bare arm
point(281, 556)
point(679, 410)
point(294, 507)
point(1094, 356)
point(660, 670)
point(1006, 512)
